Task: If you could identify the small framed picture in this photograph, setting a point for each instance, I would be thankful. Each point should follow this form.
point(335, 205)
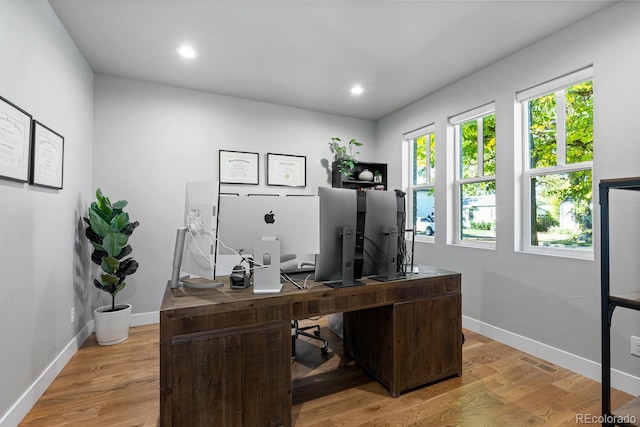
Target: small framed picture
point(239, 167)
point(15, 142)
point(286, 170)
point(47, 157)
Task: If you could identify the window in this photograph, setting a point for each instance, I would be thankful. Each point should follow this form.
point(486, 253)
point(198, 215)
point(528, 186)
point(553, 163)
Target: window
point(475, 142)
point(558, 163)
point(422, 175)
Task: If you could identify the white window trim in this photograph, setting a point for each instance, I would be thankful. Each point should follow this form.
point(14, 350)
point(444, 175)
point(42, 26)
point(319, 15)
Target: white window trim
point(454, 121)
point(408, 138)
point(474, 113)
point(557, 86)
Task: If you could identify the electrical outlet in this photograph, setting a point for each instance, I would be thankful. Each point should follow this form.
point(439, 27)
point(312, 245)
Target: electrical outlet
point(635, 346)
point(72, 318)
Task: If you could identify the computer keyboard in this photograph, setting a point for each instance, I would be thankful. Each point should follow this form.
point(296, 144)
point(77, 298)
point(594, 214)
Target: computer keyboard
point(300, 270)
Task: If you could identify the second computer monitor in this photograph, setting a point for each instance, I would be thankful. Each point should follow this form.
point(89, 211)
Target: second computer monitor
point(338, 211)
point(381, 235)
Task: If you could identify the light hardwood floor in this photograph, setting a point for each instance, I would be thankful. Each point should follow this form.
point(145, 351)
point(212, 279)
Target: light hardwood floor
point(500, 386)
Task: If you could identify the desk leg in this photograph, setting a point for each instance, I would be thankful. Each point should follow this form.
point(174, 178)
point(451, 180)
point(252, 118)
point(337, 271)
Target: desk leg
point(233, 378)
point(407, 345)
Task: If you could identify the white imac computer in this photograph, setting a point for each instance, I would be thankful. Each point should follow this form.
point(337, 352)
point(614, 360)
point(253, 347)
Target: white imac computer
point(266, 227)
point(194, 253)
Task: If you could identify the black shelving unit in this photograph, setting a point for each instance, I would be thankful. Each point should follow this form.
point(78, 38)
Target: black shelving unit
point(339, 181)
point(609, 302)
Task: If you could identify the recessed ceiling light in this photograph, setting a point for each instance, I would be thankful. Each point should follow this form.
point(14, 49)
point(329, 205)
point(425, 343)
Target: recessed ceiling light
point(357, 90)
point(187, 51)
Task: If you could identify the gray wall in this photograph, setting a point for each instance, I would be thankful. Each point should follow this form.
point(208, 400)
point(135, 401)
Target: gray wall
point(549, 300)
point(151, 139)
point(43, 262)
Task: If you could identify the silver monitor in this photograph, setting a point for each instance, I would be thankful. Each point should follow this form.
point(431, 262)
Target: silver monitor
point(254, 224)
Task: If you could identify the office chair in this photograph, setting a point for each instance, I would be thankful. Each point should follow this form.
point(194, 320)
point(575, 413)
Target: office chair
point(297, 330)
point(289, 264)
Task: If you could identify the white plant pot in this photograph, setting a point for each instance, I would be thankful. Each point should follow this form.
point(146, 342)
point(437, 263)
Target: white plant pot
point(112, 327)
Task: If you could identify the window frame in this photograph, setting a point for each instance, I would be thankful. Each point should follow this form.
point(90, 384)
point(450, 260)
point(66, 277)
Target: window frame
point(456, 121)
point(410, 138)
point(557, 86)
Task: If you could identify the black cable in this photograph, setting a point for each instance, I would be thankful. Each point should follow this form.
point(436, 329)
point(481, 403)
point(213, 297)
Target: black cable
point(375, 246)
point(373, 258)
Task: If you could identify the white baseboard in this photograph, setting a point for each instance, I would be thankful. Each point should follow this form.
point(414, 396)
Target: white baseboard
point(29, 398)
point(23, 405)
point(590, 369)
point(141, 319)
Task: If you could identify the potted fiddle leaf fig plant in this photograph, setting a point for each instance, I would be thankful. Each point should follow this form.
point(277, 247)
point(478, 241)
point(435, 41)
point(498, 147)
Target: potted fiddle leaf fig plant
point(108, 229)
point(345, 157)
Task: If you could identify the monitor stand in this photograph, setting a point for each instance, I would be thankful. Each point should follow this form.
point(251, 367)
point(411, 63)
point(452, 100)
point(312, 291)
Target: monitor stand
point(392, 256)
point(348, 260)
point(186, 281)
point(266, 272)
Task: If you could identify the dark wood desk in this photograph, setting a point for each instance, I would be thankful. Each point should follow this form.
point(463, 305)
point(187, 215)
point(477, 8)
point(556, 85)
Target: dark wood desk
point(225, 355)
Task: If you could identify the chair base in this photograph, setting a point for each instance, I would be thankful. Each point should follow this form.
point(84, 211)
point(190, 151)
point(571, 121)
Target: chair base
point(296, 330)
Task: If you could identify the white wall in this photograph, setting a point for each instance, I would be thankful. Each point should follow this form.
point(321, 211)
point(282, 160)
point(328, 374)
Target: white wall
point(548, 301)
point(43, 259)
point(151, 139)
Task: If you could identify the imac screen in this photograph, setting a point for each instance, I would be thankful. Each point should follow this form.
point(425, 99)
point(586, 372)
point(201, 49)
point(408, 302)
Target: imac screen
point(293, 221)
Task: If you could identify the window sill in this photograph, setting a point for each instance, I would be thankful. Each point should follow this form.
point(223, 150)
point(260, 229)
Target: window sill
point(586, 255)
point(475, 245)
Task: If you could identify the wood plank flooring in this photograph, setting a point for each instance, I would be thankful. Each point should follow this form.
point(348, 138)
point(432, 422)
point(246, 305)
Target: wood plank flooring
point(119, 386)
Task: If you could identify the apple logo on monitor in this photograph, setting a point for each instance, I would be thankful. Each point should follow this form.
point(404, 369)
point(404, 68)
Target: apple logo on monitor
point(269, 218)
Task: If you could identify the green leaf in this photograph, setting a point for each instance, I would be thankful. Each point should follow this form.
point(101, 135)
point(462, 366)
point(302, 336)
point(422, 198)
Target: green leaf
point(128, 230)
point(99, 285)
point(97, 255)
point(114, 242)
point(120, 205)
point(118, 288)
point(120, 221)
point(124, 252)
point(98, 225)
point(92, 236)
point(103, 203)
point(127, 267)
point(108, 279)
point(104, 215)
point(110, 264)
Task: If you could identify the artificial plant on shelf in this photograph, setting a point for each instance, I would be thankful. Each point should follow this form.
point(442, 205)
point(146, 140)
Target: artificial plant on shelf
point(108, 230)
point(345, 157)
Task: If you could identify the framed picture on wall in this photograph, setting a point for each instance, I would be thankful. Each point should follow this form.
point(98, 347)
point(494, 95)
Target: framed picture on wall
point(286, 170)
point(15, 142)
point(47, 157)
point(238, 167)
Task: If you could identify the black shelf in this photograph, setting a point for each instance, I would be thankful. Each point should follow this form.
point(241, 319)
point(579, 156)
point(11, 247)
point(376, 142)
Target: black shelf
point(339, 181)
point(630, 300)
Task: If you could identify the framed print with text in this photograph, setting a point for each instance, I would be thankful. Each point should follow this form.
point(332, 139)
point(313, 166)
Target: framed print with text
point(286, 170)
point(15, 141)
point(47, 157)
point(238, 167)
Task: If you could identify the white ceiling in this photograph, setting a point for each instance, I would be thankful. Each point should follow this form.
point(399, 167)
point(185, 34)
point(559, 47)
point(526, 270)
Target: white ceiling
point(308, 53)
